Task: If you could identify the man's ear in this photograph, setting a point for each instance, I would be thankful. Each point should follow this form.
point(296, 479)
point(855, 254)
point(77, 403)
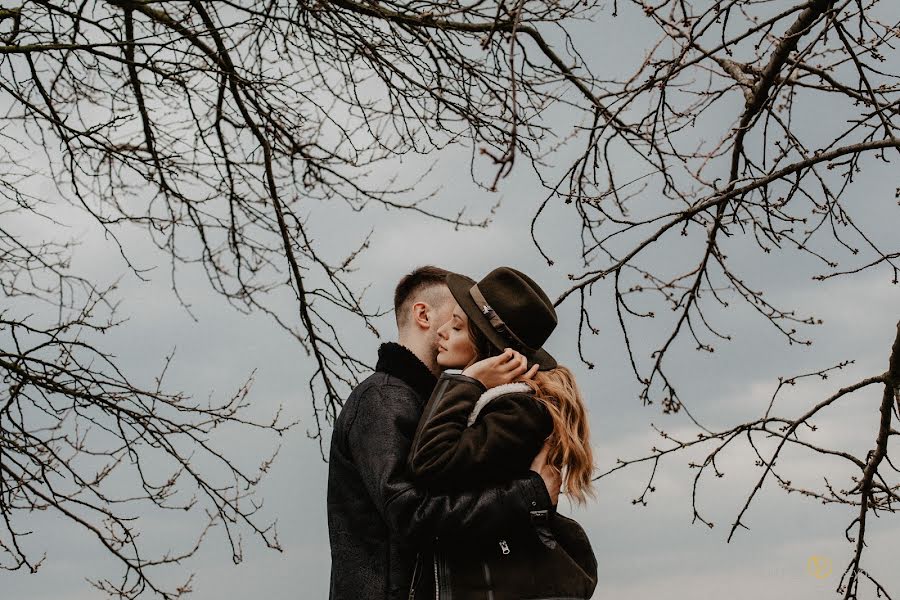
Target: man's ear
point(421, 315)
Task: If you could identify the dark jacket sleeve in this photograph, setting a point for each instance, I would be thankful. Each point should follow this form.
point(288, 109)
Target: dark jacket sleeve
point(501, 443)
point(379, 440)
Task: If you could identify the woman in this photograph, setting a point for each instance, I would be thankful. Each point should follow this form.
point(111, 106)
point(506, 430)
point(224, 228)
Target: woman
point(487, 424)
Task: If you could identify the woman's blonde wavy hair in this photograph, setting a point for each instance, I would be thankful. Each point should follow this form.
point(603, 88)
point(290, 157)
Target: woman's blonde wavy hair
point(570, 442)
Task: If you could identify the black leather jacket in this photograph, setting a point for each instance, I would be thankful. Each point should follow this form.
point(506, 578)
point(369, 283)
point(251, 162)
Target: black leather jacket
point(378, 519)
point(472, 436)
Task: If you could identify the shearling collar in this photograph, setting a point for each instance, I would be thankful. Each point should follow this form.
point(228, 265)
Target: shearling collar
point(506, 388)
point(400, 362)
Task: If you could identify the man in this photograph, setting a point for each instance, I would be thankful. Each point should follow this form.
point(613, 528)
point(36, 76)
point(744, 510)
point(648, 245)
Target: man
point(377, 517)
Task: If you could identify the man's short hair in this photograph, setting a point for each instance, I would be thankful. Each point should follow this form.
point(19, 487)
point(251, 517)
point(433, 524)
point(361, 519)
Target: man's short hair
point(412, 286)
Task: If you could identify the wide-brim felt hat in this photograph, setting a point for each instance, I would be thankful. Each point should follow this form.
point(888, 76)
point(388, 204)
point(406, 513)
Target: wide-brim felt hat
point(510, 309)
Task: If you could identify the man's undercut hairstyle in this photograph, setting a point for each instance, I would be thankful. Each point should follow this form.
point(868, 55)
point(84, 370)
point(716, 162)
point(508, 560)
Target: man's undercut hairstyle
point(413, 286)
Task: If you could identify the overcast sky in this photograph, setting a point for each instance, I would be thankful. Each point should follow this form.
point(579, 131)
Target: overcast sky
point(643, 552)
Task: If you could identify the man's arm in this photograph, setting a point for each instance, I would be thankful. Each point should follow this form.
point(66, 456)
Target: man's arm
point(379, 440)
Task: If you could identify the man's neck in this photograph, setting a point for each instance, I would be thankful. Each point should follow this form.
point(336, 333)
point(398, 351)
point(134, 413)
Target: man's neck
point(423, 351)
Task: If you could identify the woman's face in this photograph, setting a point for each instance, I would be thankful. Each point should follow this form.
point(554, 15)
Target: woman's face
point(455, 349)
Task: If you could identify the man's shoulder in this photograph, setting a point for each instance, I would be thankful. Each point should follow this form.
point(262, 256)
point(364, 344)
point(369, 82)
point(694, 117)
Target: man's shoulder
point(377, 383)
point(381, 391)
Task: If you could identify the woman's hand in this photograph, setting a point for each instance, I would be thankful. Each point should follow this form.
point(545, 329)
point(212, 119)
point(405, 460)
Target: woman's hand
point(498, 370)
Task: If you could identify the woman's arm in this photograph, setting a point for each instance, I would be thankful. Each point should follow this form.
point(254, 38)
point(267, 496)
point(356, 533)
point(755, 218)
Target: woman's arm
point(504, 439)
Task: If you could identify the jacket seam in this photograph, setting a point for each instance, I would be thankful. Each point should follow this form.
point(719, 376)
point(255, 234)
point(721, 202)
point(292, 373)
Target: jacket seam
point(465, 379)
point(397, 494)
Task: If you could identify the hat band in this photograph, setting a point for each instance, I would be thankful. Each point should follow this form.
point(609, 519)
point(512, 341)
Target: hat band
point(497, 323)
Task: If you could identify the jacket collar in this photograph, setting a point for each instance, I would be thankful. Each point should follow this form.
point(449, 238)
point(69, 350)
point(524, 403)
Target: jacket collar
point(516, 387)
point(400, 362)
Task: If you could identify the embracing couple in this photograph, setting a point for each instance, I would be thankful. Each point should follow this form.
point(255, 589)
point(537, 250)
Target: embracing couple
point(444, 484)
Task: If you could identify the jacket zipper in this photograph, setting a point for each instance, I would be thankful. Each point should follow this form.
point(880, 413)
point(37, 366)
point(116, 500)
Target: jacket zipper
point(437, 586)
point(445, 573)
point(415, 573)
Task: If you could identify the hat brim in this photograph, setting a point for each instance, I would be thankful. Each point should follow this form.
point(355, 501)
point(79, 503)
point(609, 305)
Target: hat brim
point(459, 286)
